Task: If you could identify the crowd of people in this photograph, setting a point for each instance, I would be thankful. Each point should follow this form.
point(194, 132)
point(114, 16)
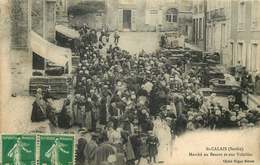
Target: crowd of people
point(118, 97)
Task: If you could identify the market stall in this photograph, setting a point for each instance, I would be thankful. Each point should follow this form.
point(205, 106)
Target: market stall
point(56, 70)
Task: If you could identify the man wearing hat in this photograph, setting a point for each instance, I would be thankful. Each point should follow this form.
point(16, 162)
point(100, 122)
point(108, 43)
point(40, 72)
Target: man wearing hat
point(136, 142)
point(80, 156)
point(89, 150)
point(152, 143)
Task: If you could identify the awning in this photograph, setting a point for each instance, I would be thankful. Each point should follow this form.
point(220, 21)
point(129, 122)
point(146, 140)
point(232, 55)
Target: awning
point(49, 51)
point(71, 33)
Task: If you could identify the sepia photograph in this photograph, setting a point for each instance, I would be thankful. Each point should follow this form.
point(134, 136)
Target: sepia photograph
point(130, 82)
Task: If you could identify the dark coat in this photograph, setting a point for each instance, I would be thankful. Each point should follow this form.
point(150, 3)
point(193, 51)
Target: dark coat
point(37, 114)
point(152, 145)
point(80, 157)
point(136, 143)
point(103, 112)
point(64, 118)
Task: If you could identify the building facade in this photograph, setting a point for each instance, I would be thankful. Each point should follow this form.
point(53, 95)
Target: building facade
point(233, 30)
point(139, 15)
point(198, 26)
point(245, 36)
point(219, 28)
point(149, 15)
point(43, 16)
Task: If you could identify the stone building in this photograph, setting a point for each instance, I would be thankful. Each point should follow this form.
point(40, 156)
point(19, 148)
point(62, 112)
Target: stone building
point(26, 18)
point(149, 15)
point(19, 58)
point(43, 14)
point(233, 30)
point(90, 12)
point(245, 34)
point(218, 28)
point(198, 18)
point(139, 15)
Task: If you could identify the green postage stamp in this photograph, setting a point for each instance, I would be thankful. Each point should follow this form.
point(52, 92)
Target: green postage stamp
point(39, 149)
point(56, 150)
point(18, 149)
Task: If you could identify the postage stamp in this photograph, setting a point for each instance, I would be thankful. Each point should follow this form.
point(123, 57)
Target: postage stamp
point(18, 149)
point(56, 150)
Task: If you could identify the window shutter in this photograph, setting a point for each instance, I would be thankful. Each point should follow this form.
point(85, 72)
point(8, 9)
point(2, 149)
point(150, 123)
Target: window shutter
point(120, 19)
point(133, 22)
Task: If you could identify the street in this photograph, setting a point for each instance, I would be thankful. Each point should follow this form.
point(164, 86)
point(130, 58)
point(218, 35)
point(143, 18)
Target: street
point(135, 42)
point(133, 82)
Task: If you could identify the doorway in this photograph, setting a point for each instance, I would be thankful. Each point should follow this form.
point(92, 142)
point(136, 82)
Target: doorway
point(127, 19)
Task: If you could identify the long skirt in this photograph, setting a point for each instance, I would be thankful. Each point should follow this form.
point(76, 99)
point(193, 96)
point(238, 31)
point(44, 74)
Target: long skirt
point(144, 150)
point(81, 116)
point(78, 113)
point(88, 120)
point(130, 155)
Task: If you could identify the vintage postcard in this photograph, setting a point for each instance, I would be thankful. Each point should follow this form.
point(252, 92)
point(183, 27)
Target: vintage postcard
point(130, 82)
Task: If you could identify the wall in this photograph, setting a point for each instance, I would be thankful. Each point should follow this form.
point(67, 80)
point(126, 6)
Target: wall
point(20, 20)
point(50, 11)
point(247, 36)
point(37, 16)
point(219, 29)
point(20, 57)
point(93, 20)
point(142, 9)
point(198, 14)
point(44, 18)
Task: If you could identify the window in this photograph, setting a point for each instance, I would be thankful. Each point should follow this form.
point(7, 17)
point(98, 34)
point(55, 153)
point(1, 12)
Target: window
point(233, 59)
point(255, 19)
point(213, 37)
point(172, 15)
point(209, 36)
point(223, 35)
point(186, 29)
point(200, 28)
point(240, 53)
point(253, 65)
point(241, 15)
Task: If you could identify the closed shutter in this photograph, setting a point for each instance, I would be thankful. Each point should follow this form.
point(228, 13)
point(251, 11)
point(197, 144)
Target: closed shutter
point(120, 19)
point(133, 21)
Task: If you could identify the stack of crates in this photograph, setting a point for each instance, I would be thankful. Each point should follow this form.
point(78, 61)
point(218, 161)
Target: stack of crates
point(59, 85)
point(37, 82)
